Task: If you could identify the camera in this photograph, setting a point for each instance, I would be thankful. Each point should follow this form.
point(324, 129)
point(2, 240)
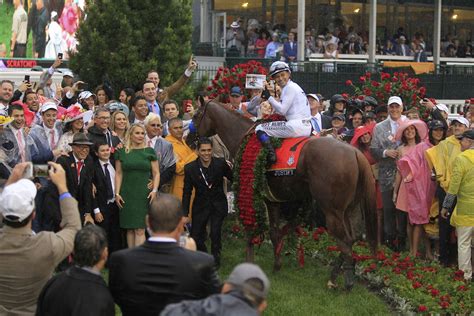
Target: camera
point(60, 55)
point(27, 78)
point(35, 171)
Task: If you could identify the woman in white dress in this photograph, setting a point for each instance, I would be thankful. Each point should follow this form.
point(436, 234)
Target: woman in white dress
point(56, 43)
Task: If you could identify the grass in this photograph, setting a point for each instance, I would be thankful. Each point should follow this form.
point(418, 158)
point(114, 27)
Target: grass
point(6, 17)
point(300, 291)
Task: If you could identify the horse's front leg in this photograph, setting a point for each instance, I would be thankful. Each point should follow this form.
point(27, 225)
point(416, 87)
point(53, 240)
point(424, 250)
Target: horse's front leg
point(275, 234)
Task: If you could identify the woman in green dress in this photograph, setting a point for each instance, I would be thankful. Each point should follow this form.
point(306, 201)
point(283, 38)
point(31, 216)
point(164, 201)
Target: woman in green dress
point(134, 164)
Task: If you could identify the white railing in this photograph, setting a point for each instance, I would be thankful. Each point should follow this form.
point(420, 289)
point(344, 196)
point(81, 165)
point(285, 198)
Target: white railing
point(365, 57)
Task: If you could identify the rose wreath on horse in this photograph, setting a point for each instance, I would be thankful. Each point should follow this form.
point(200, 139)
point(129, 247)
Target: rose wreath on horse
point(333, 173)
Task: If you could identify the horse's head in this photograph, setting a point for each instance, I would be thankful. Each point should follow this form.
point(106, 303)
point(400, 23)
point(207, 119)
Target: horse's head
point(203, 124)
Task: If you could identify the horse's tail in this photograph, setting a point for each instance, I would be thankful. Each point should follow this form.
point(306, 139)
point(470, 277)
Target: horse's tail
point(367, 198)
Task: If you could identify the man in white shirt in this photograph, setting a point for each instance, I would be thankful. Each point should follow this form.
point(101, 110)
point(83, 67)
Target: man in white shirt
point(15, 133)
point(319, 121)
point(19, 26)
point(6, 93)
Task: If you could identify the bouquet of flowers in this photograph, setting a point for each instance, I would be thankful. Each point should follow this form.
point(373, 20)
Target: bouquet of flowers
point(227, 78)
point(399, 84)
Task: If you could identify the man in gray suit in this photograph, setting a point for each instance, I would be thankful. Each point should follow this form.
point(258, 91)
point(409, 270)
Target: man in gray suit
point(27, 260)
point(163, 149)
point(384, 149)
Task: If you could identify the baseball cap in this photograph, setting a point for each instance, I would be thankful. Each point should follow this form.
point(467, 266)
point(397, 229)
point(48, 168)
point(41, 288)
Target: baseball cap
point(68, 73)
point(17, 200)
point(442, 107)
point(85, 94)
point(236, 91)
point(467, 134)
point(396, 100)
point(48, 106)
point(461, 120)
point(338, 117)
point(435, 124)
point(314, 96)
point(245, 271)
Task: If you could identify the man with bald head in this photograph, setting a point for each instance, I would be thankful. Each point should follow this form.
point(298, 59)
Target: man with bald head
point(144, 279)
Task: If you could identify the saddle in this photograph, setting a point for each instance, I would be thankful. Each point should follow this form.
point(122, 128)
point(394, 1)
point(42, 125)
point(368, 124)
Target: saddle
point(287, 156)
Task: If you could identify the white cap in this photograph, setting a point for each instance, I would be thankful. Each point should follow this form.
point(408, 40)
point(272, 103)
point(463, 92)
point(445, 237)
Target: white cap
point(68, 73)
point(461, 120)
point(85, 94)
point(442, 107)
point(314, 96)
point(17, 200)
point(48, 106)
point(395, 99)
point(54, 14)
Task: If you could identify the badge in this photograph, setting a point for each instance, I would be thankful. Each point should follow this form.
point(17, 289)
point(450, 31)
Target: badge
point(291, 160)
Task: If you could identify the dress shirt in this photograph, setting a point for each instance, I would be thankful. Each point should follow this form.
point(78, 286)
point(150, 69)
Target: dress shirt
point(83, 164)
point(137, 121)
point(151, 141)
point(161, 239)
point(155, 108)
point(317, 117)
point(112, 180)
point(49, 136)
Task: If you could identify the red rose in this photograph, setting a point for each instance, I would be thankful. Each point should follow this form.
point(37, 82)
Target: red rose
point(462, 288)
point(367, 92)
point(434, 292)
point(416, 284)
point(444, 304)
point(209, 88)
point(368, 74)
point(362, 78)
point(375, 83)
point(422, 308)
point(394, 79)
point(349, 83)
point(387, 87)
point(385, 76)
point(345, 96)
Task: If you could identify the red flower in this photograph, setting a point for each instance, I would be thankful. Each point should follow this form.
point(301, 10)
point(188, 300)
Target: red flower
point(236, 228)
point(384, 76)
point(459, 273)
point(333, 248)
point(416, 284)
point(381, 256)
point(361, 97)
point(362, 78)
point(367, 92)
point(345, 96)
point(394, 79)
point(444, 304)
point(209, 88)
point(387, 87)
point(368, 74)
point(462, 288)
point(315, 236)
point(349, 83)
point(422, 308)
point(434, 292)
point(375, 83)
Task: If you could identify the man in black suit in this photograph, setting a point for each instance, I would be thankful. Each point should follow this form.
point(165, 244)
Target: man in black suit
point(144, 279)
point(106, 212)
point(100, 132)
point(319, 121)
point(79, 171)
point(206, 175)
point(80, 290)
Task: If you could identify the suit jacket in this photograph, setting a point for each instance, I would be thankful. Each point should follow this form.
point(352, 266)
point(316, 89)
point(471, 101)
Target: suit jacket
point(14, 152)
point(96, 136)
point(28, 260)
point(82, 190)
point(382, 140)
point(43, 152)
point(399, 52)
point(325, 121)
point(288, 51)
point(99, 180)
point(144, 279)
point(206, 197)
point(166, 160)
point(76, 292)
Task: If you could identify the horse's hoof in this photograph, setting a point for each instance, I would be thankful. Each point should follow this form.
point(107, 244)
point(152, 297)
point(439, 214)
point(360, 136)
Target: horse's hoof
point(348, 287)
point(331, 285)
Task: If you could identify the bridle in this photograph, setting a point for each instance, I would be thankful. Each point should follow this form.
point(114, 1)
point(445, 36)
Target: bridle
point(204, 109)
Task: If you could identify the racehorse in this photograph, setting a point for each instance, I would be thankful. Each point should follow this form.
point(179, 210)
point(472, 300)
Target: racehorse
point(333, 173)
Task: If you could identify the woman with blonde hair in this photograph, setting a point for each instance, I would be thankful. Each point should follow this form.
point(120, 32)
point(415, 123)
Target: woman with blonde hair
point(119, 124)
point(135, 164)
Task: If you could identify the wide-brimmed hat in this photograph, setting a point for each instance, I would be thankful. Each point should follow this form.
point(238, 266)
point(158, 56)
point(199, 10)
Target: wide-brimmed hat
point(420, 126)
point(75, 112)
point(235, 25)
point(361, 131)
point(4, 118)
point(81, 139)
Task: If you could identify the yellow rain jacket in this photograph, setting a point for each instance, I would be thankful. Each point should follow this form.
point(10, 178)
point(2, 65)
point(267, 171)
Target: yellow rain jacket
point(441, 157)
point(462, 185)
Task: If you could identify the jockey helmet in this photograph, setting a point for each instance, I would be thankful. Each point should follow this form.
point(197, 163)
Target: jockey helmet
point(277, 67)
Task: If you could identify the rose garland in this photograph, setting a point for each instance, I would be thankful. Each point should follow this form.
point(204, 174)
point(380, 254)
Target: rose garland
point(249, 179)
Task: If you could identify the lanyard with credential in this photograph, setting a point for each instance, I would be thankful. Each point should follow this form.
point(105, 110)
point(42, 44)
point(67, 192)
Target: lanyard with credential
point(204, 177)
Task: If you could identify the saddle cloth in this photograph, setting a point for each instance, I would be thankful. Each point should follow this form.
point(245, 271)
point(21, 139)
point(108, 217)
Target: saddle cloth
point(287, 156)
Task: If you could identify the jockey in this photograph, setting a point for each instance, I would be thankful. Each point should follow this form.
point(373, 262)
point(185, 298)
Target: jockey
point(293, 105)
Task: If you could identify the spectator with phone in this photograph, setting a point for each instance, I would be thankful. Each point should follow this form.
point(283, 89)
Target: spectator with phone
point(27, 260)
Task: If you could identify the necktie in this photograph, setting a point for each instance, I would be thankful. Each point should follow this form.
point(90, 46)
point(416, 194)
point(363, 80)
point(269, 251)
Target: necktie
point(108, 183)
point(21, 146)
point(315, 124)
point(79, 165)
point(107, 136)
point(52, 141)
point(149, 143)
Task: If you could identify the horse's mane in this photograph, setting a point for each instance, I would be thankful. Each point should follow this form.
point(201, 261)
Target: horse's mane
point(229, 109)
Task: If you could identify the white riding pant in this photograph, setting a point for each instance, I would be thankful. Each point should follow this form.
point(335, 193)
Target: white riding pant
point(286, 129)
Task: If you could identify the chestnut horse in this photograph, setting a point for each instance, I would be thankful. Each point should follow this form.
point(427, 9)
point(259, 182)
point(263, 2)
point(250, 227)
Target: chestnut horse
point(331, 172)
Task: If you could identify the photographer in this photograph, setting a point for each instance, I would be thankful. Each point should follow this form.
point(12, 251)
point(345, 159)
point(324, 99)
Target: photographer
point(27, 260)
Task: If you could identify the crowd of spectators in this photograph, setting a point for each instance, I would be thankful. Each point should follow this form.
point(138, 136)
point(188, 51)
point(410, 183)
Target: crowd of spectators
point(122, 170)
point(277, 42)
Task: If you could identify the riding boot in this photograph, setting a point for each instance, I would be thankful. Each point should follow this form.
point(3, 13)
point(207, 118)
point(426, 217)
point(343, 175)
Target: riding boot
point(266, 143)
